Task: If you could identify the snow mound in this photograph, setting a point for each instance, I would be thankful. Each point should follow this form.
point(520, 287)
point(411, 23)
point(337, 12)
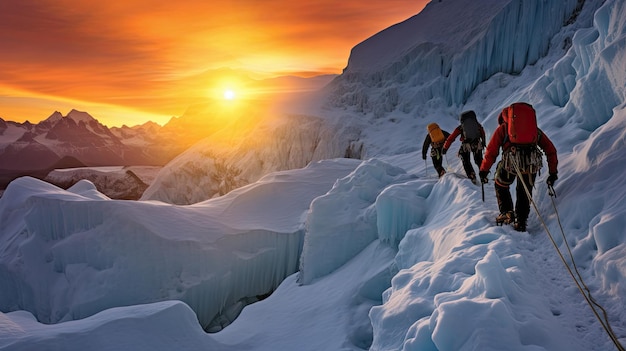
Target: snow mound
point(343, 222)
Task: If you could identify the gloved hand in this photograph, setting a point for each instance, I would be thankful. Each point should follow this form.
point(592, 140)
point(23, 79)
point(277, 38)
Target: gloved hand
point(483, 176)
point(551, 179)
point(423, 157)
point(444, 151)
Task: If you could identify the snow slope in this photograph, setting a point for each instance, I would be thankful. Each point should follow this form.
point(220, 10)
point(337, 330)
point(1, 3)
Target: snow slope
point(389, 257)
point(97, 250)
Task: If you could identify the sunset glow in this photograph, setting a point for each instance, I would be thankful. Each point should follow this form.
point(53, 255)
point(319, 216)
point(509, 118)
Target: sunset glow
point(157, 58)
point(229, 94)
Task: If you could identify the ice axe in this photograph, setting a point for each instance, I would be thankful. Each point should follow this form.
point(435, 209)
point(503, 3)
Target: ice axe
point(551, 191)
point(482, 185)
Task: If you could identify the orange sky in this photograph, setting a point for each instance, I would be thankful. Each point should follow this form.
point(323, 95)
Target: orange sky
point(128, 61)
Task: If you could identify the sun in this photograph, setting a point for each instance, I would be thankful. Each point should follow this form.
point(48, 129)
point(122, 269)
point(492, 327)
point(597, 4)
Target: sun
point(229, 94)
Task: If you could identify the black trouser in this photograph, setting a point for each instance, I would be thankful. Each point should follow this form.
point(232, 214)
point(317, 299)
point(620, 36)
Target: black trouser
point(503, 179)
point(436, 155)
point(464, 152)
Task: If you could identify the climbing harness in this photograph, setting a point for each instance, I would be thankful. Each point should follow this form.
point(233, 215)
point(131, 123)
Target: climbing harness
point(468, 147)
point(582, 287)
point(526, 159)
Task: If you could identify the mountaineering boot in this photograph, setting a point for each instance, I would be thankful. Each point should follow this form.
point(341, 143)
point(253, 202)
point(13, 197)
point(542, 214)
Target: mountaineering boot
point(505, 218)
point(520, 226)
point(443, 171)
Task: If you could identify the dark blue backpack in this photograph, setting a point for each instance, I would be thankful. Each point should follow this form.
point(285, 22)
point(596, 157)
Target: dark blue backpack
point(470, 126)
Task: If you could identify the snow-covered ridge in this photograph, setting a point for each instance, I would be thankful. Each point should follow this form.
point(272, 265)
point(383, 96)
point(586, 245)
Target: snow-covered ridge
point(80, 116)
point(442, 54)
point(74, 115)
point(55, 117)
point(42, 146)
point(207, 170)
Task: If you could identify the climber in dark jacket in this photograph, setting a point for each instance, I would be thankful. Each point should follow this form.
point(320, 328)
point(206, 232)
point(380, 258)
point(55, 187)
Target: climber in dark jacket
point(436, 151)
point(472, 142)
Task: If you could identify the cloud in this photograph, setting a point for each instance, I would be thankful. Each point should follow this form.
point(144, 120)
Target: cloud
point(100, 51)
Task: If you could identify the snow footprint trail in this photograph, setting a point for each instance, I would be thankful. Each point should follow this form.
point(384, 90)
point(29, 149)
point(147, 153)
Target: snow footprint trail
point(553, 282)
point(557, 286)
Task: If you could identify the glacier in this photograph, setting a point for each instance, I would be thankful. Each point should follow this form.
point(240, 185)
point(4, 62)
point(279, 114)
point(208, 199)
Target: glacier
point(213, 166)
point(373, 254)
point(335, 232)
point(442, 54)
point(98, 251)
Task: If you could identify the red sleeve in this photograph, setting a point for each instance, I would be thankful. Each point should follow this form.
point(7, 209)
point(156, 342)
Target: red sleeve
point(548, 148)
point(452, 137)
point(493, 149)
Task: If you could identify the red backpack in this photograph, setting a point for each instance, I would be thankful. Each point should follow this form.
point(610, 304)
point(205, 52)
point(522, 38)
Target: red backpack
point(521, 123)
point(523, 133)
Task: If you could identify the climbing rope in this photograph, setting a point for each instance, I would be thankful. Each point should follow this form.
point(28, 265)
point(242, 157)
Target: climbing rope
point(552, 194)
point(582, 287)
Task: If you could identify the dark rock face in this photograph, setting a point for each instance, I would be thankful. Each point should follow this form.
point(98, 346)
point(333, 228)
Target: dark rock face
point(121, 185)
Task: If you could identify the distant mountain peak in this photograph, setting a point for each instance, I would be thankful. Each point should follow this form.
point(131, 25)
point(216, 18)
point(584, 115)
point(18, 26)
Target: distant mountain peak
point(150, 124)
point(54, 117)
point(78, 116)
